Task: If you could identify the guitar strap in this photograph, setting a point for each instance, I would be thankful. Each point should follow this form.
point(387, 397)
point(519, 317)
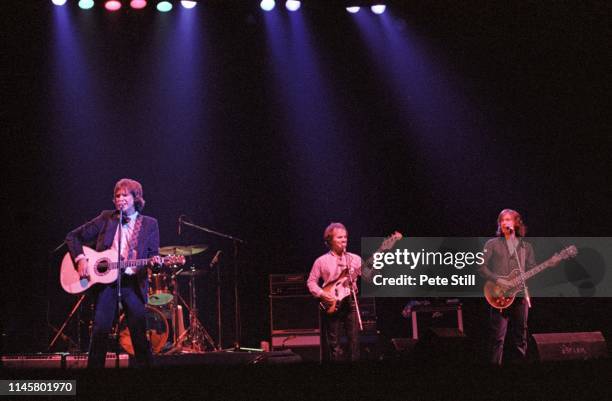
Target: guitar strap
point(132, 251)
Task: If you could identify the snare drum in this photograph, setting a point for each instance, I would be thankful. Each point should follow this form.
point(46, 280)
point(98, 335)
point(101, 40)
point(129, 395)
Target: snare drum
point(159, 289)
point(157, 331)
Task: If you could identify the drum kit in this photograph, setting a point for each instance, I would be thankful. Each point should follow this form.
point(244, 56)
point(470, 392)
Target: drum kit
point(164, 310)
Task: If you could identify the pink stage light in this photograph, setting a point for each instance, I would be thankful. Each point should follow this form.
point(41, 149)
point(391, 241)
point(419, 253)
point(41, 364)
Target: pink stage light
point(138, 4)
point(112, 5)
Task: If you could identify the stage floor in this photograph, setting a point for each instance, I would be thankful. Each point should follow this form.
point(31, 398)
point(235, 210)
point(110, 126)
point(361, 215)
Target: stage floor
point(247, 376)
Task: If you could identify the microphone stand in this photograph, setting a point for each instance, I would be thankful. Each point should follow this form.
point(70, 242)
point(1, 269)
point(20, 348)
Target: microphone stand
point(119, 270)
point(353, 292)
point(236, 241)
point(522, 276)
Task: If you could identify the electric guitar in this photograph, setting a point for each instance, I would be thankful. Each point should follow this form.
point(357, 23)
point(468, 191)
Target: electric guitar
point(102, 269)
point(500, 297)
point(334, 288)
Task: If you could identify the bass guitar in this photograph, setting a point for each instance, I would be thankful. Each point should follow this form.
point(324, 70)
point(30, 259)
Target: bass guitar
point(502, 297)
point(103, 268)
point(336, 289)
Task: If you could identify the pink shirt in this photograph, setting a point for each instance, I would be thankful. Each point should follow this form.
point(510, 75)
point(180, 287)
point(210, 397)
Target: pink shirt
point(328, 268)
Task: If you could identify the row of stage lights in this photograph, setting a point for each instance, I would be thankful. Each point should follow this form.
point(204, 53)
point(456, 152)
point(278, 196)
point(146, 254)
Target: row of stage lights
point(115, 5)
point(294, 5)
point(165, 6)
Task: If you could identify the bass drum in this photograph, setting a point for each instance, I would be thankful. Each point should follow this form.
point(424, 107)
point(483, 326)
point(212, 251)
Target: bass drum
point(157, 331)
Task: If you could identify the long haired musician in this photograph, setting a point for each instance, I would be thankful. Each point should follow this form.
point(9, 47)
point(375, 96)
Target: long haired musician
point(502, 255)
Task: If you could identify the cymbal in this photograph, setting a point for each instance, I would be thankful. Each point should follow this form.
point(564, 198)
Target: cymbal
point(191, 272)
point(184, 250)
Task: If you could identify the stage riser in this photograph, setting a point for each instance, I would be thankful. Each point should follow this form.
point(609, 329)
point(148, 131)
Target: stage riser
point(53, 361)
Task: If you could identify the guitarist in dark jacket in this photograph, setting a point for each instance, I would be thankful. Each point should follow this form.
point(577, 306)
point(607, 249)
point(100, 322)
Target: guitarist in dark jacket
point(332, 269)
point(140, 239)
point(508, 252)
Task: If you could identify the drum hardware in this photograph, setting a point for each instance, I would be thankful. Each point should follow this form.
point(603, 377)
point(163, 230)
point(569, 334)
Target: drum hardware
point(196, 333)
point(184, 221)
point(184, 250)
point(60, 331)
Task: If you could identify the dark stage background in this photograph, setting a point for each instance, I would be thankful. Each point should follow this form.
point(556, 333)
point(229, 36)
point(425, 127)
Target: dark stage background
point(428, 120)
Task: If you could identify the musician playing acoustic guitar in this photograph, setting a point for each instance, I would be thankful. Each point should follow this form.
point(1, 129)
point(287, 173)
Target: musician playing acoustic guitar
point(502, 255)
point(140, 239)
point(333, 269)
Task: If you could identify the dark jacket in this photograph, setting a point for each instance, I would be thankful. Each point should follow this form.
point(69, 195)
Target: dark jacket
point(499, 262)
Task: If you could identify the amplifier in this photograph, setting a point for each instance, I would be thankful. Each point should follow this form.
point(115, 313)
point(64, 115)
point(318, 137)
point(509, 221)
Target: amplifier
point(32, 361)
point(80, 361)
point(288, 284)
point(291, 314)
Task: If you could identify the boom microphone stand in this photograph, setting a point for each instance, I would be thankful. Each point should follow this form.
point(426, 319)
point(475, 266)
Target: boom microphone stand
point(236, 241)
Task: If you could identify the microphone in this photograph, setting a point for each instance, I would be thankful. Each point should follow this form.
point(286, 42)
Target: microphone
point(510, 228)
point(215, 259)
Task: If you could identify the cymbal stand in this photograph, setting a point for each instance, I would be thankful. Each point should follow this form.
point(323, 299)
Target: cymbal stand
point(236, 241)
point(60, 331)
point(196, 333)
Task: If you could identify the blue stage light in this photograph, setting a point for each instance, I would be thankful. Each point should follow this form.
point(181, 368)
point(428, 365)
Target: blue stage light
point(267, 5)
point(378, 8)
point(188, 4)
point(293, 5)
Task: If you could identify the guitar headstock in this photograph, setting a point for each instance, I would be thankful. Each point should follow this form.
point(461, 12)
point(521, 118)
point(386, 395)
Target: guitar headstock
point(174, 260)
point(390, 241)
point(567, 253)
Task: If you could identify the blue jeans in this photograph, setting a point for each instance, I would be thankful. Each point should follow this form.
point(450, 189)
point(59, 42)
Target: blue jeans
point(105, 315)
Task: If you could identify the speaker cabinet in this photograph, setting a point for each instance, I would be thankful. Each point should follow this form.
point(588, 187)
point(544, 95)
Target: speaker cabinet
point(567, 346)
point(293, 314)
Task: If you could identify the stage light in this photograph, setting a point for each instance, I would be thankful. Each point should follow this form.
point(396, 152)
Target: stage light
point(353, 10)
point(188, 4)
point(293, 5)
point(112, 5)
point(378, 8)
point(86, 4)
point(267, 5)
point(164, 6)
point(138, 4)
point(58, 2)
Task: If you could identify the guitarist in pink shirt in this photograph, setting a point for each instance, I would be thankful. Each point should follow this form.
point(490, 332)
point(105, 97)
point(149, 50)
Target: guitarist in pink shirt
point(140, 239)
point(330, 281)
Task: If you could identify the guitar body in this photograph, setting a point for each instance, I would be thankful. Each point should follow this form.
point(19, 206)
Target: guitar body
point(335, 290)
point(99, 271)
point(102, 269)
point(499, 297)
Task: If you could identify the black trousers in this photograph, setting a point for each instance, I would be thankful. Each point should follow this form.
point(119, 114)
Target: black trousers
point(516, 317)
point(105, 316)
point(345, 317)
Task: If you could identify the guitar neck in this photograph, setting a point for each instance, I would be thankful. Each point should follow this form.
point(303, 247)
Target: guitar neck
point(130, 263)
point(541, 267)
